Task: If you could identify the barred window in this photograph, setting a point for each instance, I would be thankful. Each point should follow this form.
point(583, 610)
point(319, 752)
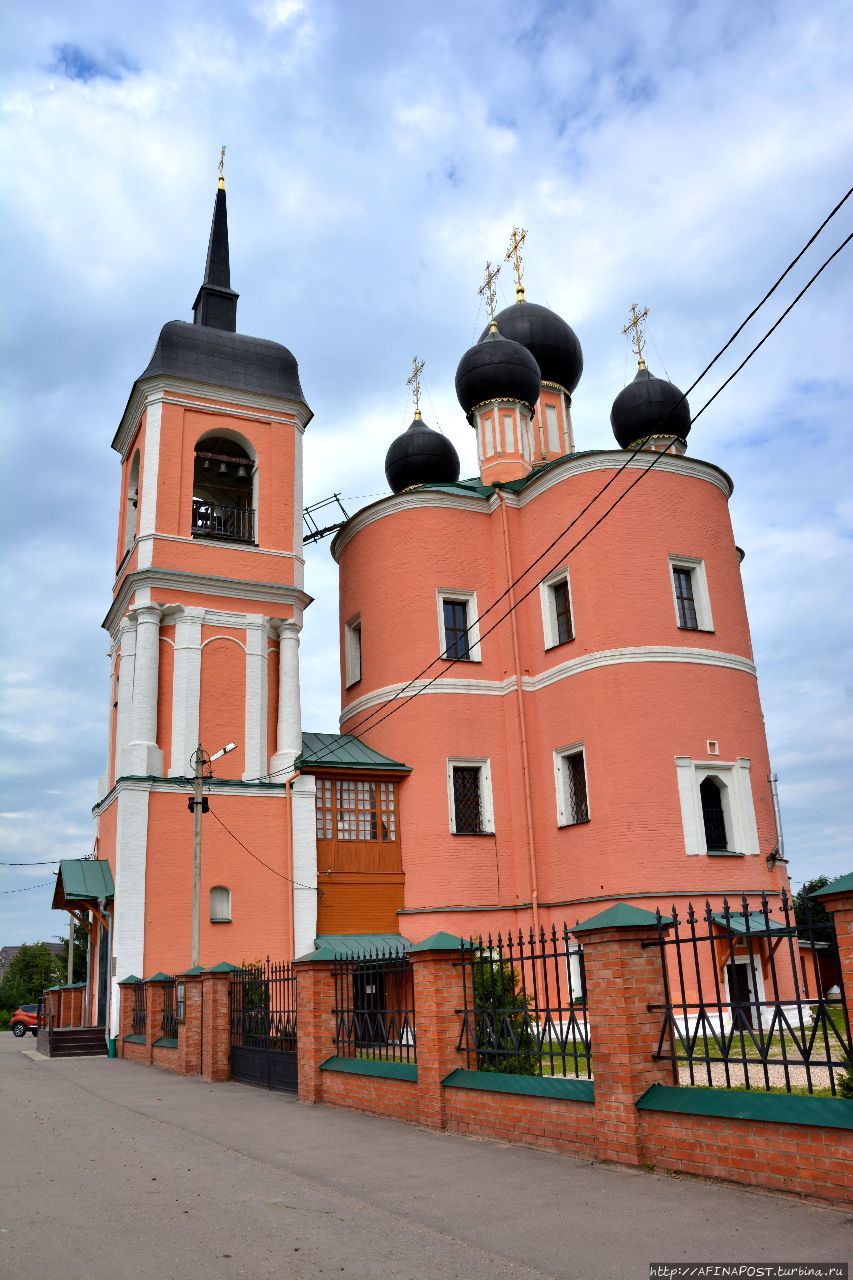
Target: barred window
point(562, 611)
point(713, 814)
point(572, 797)
point(556, 600)
point(456, 629)
point(684, 600)
point(356, 810)
point(467, 800)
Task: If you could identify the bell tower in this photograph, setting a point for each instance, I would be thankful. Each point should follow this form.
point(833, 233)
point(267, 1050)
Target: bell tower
point(204, 625)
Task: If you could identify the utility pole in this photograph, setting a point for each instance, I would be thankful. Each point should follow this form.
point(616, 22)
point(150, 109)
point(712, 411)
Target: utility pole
point(198, 806)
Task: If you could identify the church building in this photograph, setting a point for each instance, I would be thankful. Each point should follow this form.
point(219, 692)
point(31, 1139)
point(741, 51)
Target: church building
point(541, 714)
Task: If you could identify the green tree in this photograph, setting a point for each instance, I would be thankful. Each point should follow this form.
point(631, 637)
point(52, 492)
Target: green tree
point(807, 908)
point(81, 952)
point(33, 968)
point(504, 1026)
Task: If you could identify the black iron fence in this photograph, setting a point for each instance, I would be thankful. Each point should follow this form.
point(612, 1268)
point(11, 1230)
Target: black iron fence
point(753, 998)
point(525, 1005)
point(139, 1019)
point(375, 1007)
point(169, 1020)
point(235, 524)
point(263, 1007)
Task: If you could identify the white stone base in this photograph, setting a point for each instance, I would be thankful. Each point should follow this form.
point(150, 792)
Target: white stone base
point(142, 760)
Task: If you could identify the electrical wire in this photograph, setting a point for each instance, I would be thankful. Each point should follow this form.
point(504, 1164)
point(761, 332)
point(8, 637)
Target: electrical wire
point(27, 888)
point(369, 720)
point(296, 884)
point(44, 862)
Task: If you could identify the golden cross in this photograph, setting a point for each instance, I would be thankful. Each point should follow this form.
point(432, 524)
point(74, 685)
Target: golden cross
point(487, 288)
point(222, 167)
point(414, 381)
point(635, 324)
point(513, 254)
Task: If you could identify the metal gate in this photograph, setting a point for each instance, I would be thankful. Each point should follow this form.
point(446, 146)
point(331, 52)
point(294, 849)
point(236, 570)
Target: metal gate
point(263, 1025)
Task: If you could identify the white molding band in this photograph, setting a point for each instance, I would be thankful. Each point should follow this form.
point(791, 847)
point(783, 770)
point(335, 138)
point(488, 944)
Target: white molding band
point(575, 666)
point(141, 581)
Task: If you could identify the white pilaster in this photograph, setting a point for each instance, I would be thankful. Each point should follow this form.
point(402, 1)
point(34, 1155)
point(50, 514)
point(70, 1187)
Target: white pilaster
point(142, 757)
point(304, 828)
point(256, 697)
point(129, 917)
point(104, 781)
point(127, 634)
point(150, 469)
point(289, 729)
point(186, 691)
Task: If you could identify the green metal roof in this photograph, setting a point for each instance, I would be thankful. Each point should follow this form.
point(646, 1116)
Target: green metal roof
point(737, 923)
point(620, 916)
point(356, 945)
point(842, 885)
point(342, 751)
point(81, 878)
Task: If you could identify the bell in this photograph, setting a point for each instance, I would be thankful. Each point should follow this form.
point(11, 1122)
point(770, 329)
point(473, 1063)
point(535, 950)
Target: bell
point(242, 473)
point(205, 464)
point(223, 469)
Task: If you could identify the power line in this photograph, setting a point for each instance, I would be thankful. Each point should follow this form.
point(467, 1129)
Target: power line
point(369, 720)
point(43, 862)
point(27, 888)
point(281, 875)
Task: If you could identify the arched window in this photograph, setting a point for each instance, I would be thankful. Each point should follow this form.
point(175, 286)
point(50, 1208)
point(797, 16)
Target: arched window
point(222, 491)
point(220, 904)
point(713, 813)
point(131, 504)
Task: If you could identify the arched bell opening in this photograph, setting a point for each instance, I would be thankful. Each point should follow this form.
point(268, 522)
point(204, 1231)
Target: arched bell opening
point(223, 489)
point(131, 505)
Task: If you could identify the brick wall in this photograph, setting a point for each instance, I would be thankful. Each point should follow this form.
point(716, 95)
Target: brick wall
point(551, 1123)
point(377, 1096)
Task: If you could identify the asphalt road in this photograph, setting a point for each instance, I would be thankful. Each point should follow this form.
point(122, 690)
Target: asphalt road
point(113, 1171)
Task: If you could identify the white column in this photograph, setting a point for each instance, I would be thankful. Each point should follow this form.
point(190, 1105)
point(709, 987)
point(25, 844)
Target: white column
point(142, 757)
point(128, 941)
point(127, 640)
point(256, 697)
point(186, 691)
point(302, 798)
point(289, 731)
point(104, 781)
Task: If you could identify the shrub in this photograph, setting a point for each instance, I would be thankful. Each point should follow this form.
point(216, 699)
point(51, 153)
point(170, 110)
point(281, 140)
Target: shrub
point(505, 1030)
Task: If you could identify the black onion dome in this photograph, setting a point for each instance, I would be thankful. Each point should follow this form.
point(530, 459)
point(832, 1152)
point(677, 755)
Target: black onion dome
point(649, 406)
point(551, 342)
point(497, 368)
point(420, 456)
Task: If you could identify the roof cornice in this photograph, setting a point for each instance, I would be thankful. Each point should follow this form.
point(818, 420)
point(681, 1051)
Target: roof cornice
point(202, 584)
point(196, 395)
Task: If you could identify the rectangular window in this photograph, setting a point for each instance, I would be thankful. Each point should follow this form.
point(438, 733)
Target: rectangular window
point(356, 810)
point(459, 633)
point(556, 600)
point(352, 651)
point(684, 601)
point(572, 796)
point(690, 593)
point(469, 793)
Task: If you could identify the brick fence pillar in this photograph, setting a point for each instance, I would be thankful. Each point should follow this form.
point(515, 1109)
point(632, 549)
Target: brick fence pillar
point(216, 1023)
point(437, 977)
point(622, 979)
point(189, 1031)
point(838, 900)
point(125, 1012)
point(154, 1011)
point(315, 1039)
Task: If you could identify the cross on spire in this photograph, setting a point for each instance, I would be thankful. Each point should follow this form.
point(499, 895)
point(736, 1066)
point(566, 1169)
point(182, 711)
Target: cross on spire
point(635, 327)
point(487, 290)
point(414, 381)
point(222, 169)
point(513, 255)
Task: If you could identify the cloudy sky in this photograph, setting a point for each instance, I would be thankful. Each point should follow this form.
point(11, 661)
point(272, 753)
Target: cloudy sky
point(674, 154)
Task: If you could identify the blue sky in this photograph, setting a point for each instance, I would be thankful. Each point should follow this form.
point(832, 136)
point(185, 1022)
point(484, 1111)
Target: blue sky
point(676, 155)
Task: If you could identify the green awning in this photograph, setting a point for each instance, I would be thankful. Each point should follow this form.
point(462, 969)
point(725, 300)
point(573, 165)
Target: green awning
point(842, 885)
point(81, 880)
point(758, 926)
point(358, 945)
point(343, 751)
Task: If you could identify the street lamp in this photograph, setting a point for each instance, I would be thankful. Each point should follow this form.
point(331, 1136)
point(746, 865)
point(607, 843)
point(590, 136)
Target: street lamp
point(198, 806)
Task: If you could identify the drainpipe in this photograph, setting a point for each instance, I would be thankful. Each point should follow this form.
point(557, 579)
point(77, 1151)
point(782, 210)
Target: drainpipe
point(522, 728)
point(778, 854)
point(288, 795)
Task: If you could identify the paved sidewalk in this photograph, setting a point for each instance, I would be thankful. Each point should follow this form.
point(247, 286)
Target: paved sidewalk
point(113, 1171)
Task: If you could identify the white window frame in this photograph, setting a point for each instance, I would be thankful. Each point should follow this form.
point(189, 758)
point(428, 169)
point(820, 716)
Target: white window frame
point(352, 650)
point(549, 607)
point(701, 596)
point(487, 806)
point(561, 783)
point(737, 800)
point(223, 919)
point(470, 600)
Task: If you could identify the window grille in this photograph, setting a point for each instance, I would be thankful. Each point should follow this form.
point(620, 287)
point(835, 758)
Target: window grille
point(456, 639)
point(684, 599)
point(356, 810)
point(575, 807)
point(467, 800)
point(562, 611)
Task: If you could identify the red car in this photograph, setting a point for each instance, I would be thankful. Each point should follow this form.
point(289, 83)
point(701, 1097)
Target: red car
point(24, 1019)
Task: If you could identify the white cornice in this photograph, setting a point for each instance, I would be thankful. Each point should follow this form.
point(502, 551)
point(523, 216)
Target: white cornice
point(532, 684)
point(177, 786)
point(201, 584)
point(572, 465)
point(196, 395)
point(217, 542)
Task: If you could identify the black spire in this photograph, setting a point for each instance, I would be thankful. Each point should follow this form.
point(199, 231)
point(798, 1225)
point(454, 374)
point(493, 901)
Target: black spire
point(216, 304)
